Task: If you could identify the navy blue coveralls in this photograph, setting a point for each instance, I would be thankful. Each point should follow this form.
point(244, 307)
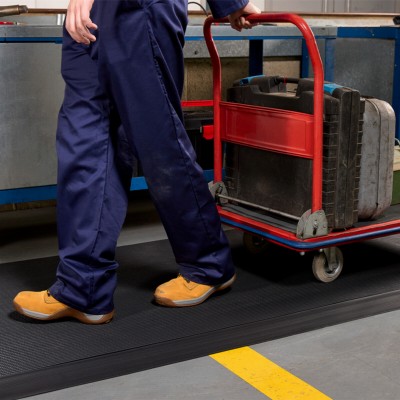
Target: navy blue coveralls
point(122, 97)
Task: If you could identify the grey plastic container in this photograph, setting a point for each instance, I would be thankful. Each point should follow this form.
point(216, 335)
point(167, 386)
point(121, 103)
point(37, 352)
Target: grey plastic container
point(376, 170)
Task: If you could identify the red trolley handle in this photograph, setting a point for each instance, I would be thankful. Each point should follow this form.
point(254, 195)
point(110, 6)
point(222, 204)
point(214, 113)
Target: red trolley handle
point(318, 93)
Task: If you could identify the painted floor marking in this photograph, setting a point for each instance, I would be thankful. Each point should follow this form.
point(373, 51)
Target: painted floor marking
point(266, 376)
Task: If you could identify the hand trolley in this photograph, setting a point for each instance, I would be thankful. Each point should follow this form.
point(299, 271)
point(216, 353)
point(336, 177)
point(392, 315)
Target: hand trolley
point(257, 127)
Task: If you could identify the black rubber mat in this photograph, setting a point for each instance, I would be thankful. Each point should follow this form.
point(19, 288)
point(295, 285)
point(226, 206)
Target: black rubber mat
point(274, 296)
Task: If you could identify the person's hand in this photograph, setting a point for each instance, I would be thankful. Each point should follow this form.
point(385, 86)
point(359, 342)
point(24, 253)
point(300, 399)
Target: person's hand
point(78, 22)
point(237, 19)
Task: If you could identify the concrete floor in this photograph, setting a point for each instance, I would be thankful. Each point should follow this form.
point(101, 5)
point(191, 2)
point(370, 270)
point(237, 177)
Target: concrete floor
point(358, 360)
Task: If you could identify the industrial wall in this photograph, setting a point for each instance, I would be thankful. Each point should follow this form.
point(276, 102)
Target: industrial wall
point(32, 93)
point(364, 6)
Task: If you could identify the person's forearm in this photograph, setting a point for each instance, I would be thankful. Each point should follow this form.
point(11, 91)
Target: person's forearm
point(235, 10)
point(222, 8)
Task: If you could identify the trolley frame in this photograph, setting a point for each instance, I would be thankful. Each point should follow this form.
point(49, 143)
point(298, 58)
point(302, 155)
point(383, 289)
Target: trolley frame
point(230, 124)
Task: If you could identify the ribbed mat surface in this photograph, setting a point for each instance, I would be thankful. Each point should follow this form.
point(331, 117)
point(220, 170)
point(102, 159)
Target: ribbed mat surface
point(275, 295)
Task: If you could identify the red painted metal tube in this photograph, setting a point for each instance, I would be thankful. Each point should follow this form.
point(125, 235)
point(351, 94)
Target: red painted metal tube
point(318, 94)
point(197, 103)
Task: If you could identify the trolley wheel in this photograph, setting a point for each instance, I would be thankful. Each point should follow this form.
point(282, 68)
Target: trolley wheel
point(328, 264)
point(254, 244)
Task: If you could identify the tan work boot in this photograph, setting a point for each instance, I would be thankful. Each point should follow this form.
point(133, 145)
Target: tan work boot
point(181, 292)
point(43, 306)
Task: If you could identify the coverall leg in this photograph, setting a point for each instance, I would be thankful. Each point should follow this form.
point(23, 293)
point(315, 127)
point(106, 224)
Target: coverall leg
point(123, 97)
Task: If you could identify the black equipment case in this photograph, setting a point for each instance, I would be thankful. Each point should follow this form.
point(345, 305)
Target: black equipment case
point(283, 183)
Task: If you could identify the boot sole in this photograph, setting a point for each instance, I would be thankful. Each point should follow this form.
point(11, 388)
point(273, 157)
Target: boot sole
point(163, 301)
point(66, 313)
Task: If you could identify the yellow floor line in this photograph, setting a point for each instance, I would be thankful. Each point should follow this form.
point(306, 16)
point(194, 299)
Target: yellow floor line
point(266, 376)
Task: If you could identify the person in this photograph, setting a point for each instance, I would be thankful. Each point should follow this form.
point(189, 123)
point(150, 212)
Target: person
point(123, 68)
